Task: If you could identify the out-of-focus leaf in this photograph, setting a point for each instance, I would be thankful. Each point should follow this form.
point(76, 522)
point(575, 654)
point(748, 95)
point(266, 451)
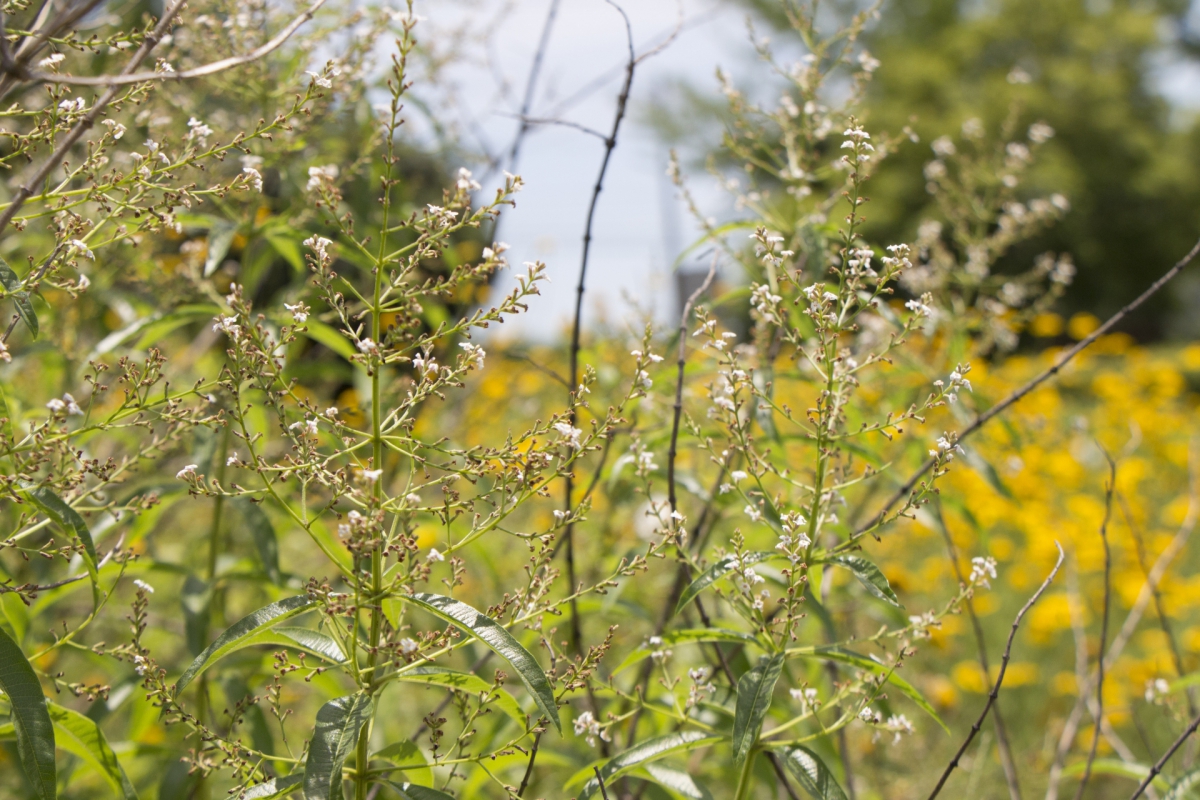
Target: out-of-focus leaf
point(196, 599)
point(338, 725)
point(153, 327)
point(717, 571)
point(20, 297)
point(83, 737)
point(869, 576)
point(1182, 787)
point(57, 509)
point(1122, 769)
point(30, 718)
point(286, 243)
point(464, 682)
point(244, 628)
point(276, 787)
point(492, 634)
point(811, 773)
point(264, 537)
point(329, 336)
point(412, 791)
point(676, 781)
point(835, 652)
point(686, 636)
point(406, 754)
point(754, 692)
point(220, 237)
point(639, 755)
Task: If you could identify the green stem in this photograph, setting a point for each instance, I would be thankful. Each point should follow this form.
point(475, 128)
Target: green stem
point(746, 776)
point(214, 547)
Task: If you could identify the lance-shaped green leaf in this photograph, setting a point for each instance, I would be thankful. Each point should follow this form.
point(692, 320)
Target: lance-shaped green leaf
point(57, 509)
point(492, 634)
point(676, 780)
point(338, 725)
point(754, 692)
point(263, 534)
point(869, 576)
point(464, 682)
point(20, 297)
point(30, 718)
point(811, 773)
point(310, 641)
point(275, 787)
point(406, 755)
point(196, 603)
point(82, 737)
point(835, 652)
point(412, 791)
point(249, 625)
point(220, 237)
point(640, 755)
point(686, 636)
point(717, 571)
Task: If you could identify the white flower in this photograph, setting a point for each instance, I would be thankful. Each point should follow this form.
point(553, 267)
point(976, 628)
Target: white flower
point(187, 472)
point(434, 555)
point(72, 406)
point(586, 725)
point(145, 587)
point(408, 646)
point(569, 433)
point(254, 177)
point(466, 182)
point(412, 499)
point(81, 248)
point(367, 347)
point(371, 475)
point(299, 312)
point(5, 356)
point(425, 366)
point(753, 513)
point(1040, 132)
point(232, 461)
point(198, 130)
point(69, 106)
point(229, 326)
point(1017, 75)
point(475, 354)
point(115, 128)
point(55, 405)
point(319, 177)
point(331, 412)
point(1156, 688)
point(559, 515)
point(943, 146)
point(646, 461)
point(51, 60)
point(319, 80)
point(899, 724)
point(140, 664)
point(319, 245)
point(738, 475)
point(982, 569)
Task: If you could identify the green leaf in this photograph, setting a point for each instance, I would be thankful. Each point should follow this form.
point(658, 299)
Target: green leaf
point(310, 641)
point(811, 773)
point(338, 725)
point(463, 682)
point(30, 718)
point(329, 336)
point(287, 247)
point(83, 737)
point(195, 599)
point(676, 781)
point(68, 518)
point(407, 755)
point(1114, 766)
point(246, 627)
point(411, 791)
point(502, 643)
point(685, 636)
point(754, 692)
point(276, 787)
point(20, 297)
point(264, 537)
point(1181, 788)
point(153, 327)
point(835, 652)
point(220, 237)
point(716, 572)
point(639, 755)
point(869, 576)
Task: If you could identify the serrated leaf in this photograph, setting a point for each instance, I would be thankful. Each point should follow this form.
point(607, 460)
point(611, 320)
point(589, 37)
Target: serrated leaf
point(68, 518)
point(263, 534)
point(412, 791)
point(717, 571)
point(676, 781)
point(685, 636)
point(838, 653)
point(501, 642)
point(246, 627)
point(339, 723)
point(83, 738)
point(869, 576)
point(220, 237)
point(754, 691)
point(639, 755)
point(20, 298)
point(30, 718)
point(463, 682)
point(276, 787)
point(811, 773)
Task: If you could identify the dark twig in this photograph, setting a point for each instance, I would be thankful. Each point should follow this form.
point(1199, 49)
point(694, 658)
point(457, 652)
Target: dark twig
point(478, 665)
point(577, 327)
point(533, 751)
point(1012, 634)
point(1108, 497)
point(600, 780)
point(535, 70)
point(1002, 743)
point(1016, 396)
point(1158, 765)
point(672, 451)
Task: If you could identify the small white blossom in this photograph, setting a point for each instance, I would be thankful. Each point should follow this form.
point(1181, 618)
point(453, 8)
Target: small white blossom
point(371, 475)
point(982, 569)
point(569, 433)
point(80, 248)
point(434, 555)
point(51, 60)
point(254, 177)
point(115, 128)
point(299, 312)
point(187, 472)
point(587, 726)
point(145, 587)
point(408, 646)
point(319, 177)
